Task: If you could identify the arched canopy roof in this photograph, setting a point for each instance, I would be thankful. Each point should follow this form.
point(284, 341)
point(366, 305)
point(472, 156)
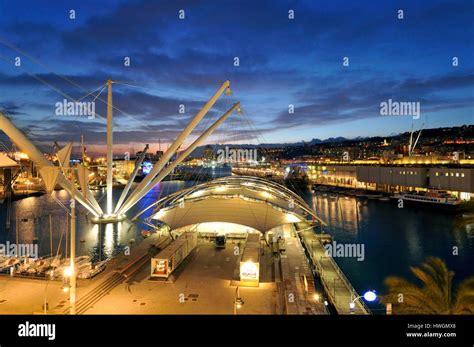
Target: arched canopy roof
point(251, 201)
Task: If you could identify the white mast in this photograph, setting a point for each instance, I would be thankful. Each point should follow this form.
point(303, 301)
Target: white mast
point(109, 148)
point(133, 197)
point(181, 157)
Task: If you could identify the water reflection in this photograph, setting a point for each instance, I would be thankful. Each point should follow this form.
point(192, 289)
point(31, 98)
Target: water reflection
point(413, 241)
point(337, 212)
point(394, 238)
point(30, 223)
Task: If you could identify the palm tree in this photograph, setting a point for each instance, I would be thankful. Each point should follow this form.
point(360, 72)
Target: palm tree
point(435, 296)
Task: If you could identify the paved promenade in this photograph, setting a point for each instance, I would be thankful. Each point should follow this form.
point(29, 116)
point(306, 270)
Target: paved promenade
point(336, 285)
point(205, 283)
point(297, 277)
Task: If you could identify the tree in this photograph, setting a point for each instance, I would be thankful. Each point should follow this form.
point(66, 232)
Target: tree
point(435, 296)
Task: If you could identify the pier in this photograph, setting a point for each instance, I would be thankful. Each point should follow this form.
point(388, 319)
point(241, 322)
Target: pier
point(337, 287)
point(297, 278)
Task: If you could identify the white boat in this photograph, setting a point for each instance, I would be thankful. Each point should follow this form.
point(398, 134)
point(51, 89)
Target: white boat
point(25, 265)
point(85, 267)
point(434, 197)
point(41, 265)
point(83, 259)
point(91, 270)
point(430, 198)
point(11, 261)
point(56, 262)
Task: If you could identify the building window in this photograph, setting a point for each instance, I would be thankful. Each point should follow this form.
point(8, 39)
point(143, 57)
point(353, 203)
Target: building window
point(437, 174)
point(447, 174)
point(457, 174)
point(462, 174)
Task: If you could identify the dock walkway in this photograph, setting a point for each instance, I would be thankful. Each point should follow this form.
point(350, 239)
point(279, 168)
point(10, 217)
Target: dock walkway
point(337, 286)
point(297, 278)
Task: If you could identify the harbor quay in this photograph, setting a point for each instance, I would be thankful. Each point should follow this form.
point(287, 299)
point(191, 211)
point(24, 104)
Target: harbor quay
point(457, 179)
point(206, 282)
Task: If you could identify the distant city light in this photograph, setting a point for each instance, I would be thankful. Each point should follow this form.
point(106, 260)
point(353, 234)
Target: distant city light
point(146, 167)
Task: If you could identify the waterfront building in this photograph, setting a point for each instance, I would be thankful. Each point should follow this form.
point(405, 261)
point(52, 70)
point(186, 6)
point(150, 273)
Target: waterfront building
point(124, 167)
point(457, 179)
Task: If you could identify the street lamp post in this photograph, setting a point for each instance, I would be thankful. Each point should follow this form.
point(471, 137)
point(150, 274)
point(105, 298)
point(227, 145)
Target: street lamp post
point(238, 302)
point(72, 291)
point(71, 271)
point(368, 296)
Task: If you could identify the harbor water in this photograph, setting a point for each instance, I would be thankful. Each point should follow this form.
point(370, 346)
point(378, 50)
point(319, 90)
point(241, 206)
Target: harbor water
point(393, 239)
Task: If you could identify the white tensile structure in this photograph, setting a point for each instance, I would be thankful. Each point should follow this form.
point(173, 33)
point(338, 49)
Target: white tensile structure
point(84, 196)
point(243, 200)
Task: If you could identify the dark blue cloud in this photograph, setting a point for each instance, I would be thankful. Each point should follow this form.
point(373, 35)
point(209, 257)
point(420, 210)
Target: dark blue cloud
point(282, 62)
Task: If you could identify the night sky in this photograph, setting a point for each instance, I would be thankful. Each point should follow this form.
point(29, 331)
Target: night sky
point(282, 61)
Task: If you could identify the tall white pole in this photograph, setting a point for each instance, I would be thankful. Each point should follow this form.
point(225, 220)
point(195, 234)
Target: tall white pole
point(82, 149)
point(131, 179)
point(109, 148)
point(163, 173)
point(51, 234)
point(72, 290)
point(132, 199)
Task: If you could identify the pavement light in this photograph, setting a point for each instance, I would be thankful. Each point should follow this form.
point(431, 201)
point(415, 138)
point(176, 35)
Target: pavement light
point(370, 296)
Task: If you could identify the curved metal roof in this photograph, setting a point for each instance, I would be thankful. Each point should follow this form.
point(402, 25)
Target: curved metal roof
point(246, 200)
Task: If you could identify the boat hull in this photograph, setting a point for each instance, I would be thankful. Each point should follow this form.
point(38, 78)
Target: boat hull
point(451, 208)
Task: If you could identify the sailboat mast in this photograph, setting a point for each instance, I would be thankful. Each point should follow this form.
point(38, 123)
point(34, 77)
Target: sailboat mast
point(109, 148)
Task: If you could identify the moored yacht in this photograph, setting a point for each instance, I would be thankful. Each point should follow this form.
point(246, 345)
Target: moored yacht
point(435, 198)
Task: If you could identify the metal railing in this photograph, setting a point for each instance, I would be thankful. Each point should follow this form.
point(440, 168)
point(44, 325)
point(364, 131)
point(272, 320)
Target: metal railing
point(339, 272)
point(346, 282)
